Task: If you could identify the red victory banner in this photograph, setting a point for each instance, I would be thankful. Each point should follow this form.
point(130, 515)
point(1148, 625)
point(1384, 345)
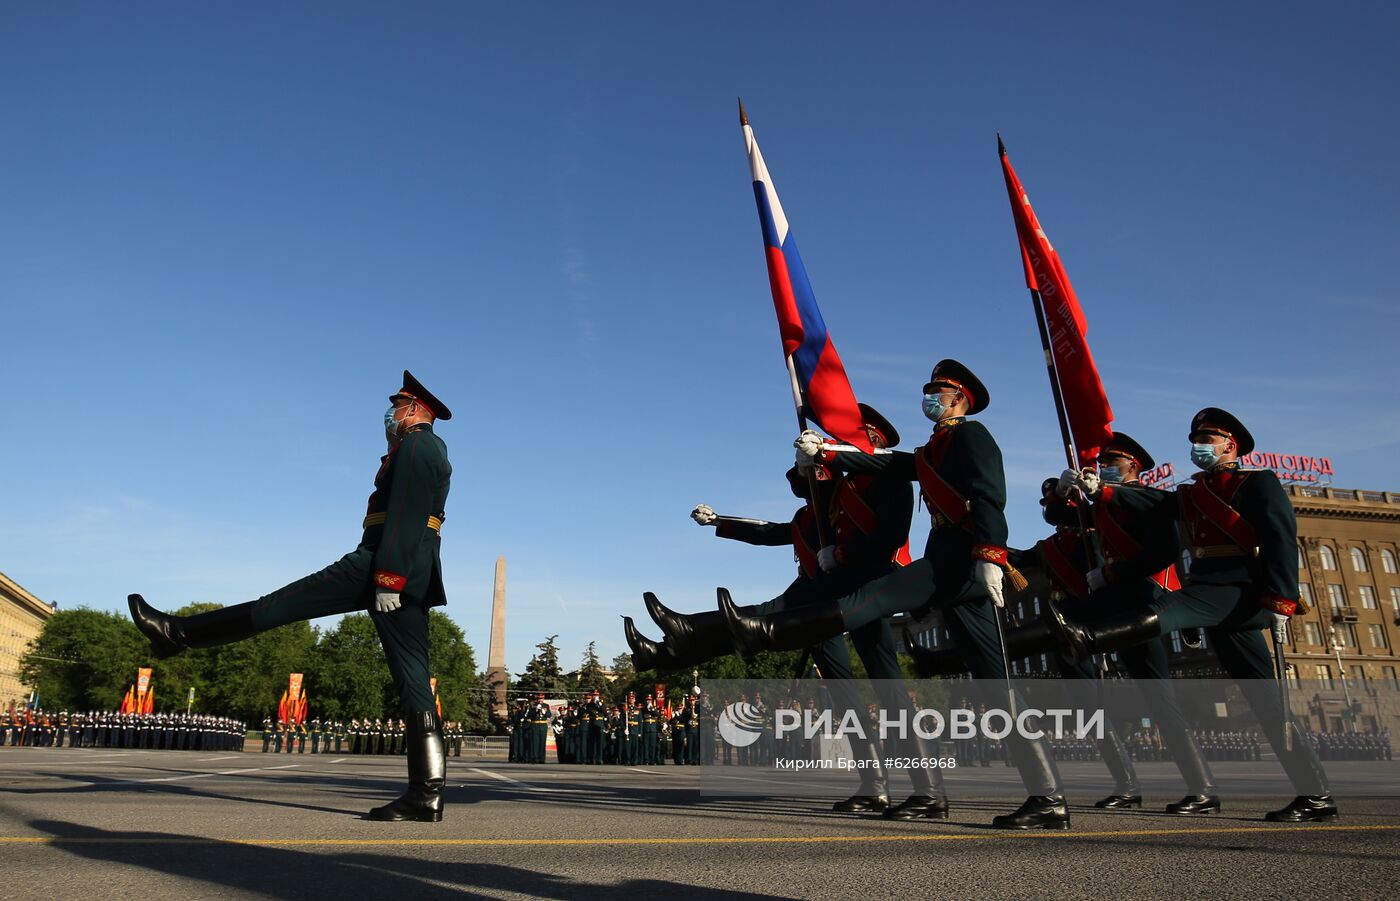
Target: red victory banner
point(294, 687)
point(1085, 416)
point(143, 680)
point(437, 702)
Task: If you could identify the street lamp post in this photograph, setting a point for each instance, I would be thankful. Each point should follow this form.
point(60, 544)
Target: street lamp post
point(1341, 670)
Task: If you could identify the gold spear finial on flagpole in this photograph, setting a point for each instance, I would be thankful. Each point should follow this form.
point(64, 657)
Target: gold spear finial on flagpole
point(743, 118)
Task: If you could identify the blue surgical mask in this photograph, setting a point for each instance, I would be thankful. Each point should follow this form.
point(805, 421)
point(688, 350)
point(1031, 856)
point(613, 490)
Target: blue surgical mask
point(934, 408)
point(1204, 456)
point(391, 426)
point(1111, 474)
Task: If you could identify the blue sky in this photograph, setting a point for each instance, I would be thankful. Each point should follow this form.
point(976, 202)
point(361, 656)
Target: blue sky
point(224, 232)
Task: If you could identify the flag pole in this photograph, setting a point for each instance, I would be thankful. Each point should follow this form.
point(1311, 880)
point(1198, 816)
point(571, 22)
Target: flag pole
point(1056, 392)
point(818, 511)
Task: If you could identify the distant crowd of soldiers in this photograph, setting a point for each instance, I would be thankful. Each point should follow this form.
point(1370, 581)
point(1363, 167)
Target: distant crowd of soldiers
point(99, 729)
point(626, 734)
point(359, 736)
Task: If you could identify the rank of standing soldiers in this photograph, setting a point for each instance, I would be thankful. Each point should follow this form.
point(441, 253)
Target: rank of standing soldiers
point(626, 734)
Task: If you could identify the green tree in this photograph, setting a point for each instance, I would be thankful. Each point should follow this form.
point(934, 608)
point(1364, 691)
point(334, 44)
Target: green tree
point(349, 675)
point(542, 673)
point(590, 672)
point(246, 679)
point(454, 665)
point(84, 659)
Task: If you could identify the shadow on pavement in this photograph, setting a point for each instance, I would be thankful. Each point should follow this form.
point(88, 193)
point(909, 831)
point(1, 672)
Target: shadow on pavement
point(292, 874)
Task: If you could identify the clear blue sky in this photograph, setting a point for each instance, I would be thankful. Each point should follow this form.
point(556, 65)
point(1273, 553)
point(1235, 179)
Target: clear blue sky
point(224, 232)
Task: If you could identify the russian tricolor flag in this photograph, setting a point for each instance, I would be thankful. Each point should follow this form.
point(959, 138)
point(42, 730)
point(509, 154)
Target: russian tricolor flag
point(819, 379)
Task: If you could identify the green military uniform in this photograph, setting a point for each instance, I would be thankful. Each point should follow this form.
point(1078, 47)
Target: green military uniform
point(1242, 536)
point(962, 481)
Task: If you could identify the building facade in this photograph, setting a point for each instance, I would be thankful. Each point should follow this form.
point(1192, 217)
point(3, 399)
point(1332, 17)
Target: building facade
point(22, 618)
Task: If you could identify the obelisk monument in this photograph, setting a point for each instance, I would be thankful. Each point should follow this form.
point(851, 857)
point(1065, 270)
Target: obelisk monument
point(496, 676)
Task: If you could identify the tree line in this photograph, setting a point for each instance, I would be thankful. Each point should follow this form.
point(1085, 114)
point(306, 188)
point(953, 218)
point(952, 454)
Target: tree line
point(85, 659)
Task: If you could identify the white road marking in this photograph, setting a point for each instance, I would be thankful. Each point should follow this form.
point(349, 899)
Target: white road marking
point(516, 782)
point(187, 776)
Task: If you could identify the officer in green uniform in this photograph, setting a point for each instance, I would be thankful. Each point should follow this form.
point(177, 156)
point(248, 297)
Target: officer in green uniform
point(594, 719)
point(965, 562)
point(1242, 580)
point(395, 574)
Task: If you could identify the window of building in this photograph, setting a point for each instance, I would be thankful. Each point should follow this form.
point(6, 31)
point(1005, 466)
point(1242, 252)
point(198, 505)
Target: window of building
point(1358, 560)
point(1323, 674)
point(1377, 634)
point(1388, 674)
point(1358, 674)
point(1344, 634)
point(1388, 562)
point(1292, 672)
point(1329, 557)
point(1312, 633)
point(1395, 599)
point(1302, 560)
point(1368, 596)
point(1337, 595)
point(1045, 663)
point(1305, 592)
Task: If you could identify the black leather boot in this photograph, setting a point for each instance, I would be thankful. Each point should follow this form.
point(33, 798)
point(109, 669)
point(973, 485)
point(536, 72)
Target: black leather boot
point(873, 795)
point(1126, 793)
point(1195, 805)
point(169, 635)
point(646, 654)
point(1200, 782)
point(1038, 812)
point(427, 774)
point(160, 629)
point(692, 635)
point(930, 799)
point(1305, 809)
point(929, 663)
point(1022, 641)
point(786, 630)
point(1079, 641)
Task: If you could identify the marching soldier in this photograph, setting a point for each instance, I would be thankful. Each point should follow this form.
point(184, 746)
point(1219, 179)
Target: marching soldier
point(395, 573)
point(1134, 547)
point(962, 571)
point(869, 525)
point(1242, 580)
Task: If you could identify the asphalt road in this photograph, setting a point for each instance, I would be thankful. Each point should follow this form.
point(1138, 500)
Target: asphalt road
point(90, 824)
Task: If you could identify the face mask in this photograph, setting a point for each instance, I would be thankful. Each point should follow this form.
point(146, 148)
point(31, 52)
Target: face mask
point(934, 408)
point(1111, 474)
point(1204, 456)
point(391, 426)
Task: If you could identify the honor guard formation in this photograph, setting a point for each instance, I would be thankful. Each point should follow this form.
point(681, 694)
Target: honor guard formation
point(100, 729)
point(629, 734)
point(358, 737)
point(1239, 585)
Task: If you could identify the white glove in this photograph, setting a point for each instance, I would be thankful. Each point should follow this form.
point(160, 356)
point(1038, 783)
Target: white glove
point(703, 514)
point(826, 558)
point(1088, 482)
point(1066, 483)
point(1095, 578)
point(808, 444)
point(989, 576)
point(386, 601)
point(1280, 628)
